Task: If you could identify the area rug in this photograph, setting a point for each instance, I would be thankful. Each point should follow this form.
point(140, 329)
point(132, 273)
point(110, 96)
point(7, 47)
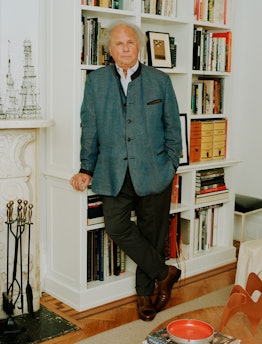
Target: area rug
point(43, 326)
point(136, 331)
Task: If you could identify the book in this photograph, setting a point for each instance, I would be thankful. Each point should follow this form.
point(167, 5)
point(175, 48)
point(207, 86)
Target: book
point(94, 209)
point(213, 197)
point(117, 4)
point(185, 231)
point(212, 189)
point(161, 337)
point(173, 51)
point(197, 98)
point(197, 48)
point(208, 97)
point(176, 189)
point(173, 234)
point(196, 234)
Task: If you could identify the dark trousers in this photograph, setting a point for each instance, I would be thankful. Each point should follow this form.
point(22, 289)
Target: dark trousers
point(144, 241)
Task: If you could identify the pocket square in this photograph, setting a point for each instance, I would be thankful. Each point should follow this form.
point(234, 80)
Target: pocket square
point(155, 101)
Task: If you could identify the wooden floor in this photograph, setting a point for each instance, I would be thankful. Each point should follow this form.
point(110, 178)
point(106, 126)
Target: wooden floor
point(115, 314)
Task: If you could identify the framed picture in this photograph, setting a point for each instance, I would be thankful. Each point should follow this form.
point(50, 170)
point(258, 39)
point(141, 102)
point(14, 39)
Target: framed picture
point(184, 158)
point(158, 49)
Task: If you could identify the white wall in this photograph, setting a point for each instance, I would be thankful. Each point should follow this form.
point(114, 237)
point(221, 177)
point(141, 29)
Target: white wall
point(20, 20)
point(246, 98)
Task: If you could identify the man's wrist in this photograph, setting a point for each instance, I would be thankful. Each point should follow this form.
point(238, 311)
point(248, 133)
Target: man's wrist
point(82, 170)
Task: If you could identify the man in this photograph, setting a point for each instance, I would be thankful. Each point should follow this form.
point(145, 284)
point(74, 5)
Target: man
point(130, 148)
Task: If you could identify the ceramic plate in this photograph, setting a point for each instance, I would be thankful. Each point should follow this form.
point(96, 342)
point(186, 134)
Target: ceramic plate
point(185, 331)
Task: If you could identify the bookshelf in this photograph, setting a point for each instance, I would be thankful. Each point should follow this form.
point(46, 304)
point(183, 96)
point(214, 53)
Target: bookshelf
point(66, 225)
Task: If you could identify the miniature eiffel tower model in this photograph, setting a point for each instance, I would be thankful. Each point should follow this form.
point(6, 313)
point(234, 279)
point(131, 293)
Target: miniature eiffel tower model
point(29, 106)
point(11, 99)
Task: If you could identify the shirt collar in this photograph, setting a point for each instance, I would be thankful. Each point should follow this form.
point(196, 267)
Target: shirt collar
point(130, 71)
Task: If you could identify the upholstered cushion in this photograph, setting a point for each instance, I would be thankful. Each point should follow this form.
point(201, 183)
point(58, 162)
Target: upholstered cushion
point(244, 203)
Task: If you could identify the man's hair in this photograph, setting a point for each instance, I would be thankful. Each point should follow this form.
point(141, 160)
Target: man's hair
point(105, 39)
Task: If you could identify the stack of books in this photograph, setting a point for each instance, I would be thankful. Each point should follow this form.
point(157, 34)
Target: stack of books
point(210, 185)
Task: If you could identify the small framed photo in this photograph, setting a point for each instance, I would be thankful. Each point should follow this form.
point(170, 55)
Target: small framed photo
point(184, 157)
point(158, 49)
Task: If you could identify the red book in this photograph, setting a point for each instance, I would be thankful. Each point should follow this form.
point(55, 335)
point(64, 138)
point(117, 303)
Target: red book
point(175, 196)
point(173, 233)
point(217, 188)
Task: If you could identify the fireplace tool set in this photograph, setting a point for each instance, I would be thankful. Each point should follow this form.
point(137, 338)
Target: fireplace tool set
point(13, 297)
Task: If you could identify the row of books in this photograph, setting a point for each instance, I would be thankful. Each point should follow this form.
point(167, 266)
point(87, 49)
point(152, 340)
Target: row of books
point(117, 4)
point(208, 140)
point(207, 96)
point(104, 257)
point(93, 51)
point(160, 7)
point(213, 11)
point(212, 51)
point(206, 228)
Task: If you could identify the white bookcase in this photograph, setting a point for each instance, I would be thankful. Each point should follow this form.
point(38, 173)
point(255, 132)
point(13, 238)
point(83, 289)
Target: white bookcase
point(66, 226)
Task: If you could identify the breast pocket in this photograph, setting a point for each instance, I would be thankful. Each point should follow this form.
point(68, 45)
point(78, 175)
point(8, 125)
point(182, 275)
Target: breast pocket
point(155, 101)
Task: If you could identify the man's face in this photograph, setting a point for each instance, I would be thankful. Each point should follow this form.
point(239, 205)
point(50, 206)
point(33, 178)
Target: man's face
point(124, 46)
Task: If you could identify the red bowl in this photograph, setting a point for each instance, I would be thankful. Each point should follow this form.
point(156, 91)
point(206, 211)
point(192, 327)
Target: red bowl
point(190, 331)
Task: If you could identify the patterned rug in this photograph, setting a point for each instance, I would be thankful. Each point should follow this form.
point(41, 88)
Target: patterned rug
point(25, 329)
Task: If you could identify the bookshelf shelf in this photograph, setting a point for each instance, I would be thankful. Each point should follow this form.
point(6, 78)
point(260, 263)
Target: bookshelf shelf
point(66, 275)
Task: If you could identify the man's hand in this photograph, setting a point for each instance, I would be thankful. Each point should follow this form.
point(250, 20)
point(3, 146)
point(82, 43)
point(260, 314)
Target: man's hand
point(80, 181)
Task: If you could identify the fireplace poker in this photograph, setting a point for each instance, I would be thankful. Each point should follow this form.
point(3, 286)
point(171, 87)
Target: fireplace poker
point(21, 230)
point(29, 292)
point(8, 306)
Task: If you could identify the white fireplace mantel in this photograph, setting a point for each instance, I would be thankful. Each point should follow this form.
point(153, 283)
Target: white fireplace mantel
point(26, 123)
point(19, 179)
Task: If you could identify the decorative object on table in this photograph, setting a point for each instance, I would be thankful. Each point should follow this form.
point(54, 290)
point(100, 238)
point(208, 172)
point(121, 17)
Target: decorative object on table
point(161, 337)
point(14, 295)
point(27, 107)
point(190, 331)
point(241, 300)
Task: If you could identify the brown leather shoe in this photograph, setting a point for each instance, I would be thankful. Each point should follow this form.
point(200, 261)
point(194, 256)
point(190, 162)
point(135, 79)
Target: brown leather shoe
point(165, 287)
point(146, 309)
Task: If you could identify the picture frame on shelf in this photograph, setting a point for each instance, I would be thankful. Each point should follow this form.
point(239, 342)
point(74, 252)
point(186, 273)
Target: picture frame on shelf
point(158, 49)
point(184, 156)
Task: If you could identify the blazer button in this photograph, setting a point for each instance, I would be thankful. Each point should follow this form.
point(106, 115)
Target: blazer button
point(129, 139)
point(129, 121)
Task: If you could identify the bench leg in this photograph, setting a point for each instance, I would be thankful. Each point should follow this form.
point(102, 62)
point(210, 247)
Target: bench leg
point(242, 237)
